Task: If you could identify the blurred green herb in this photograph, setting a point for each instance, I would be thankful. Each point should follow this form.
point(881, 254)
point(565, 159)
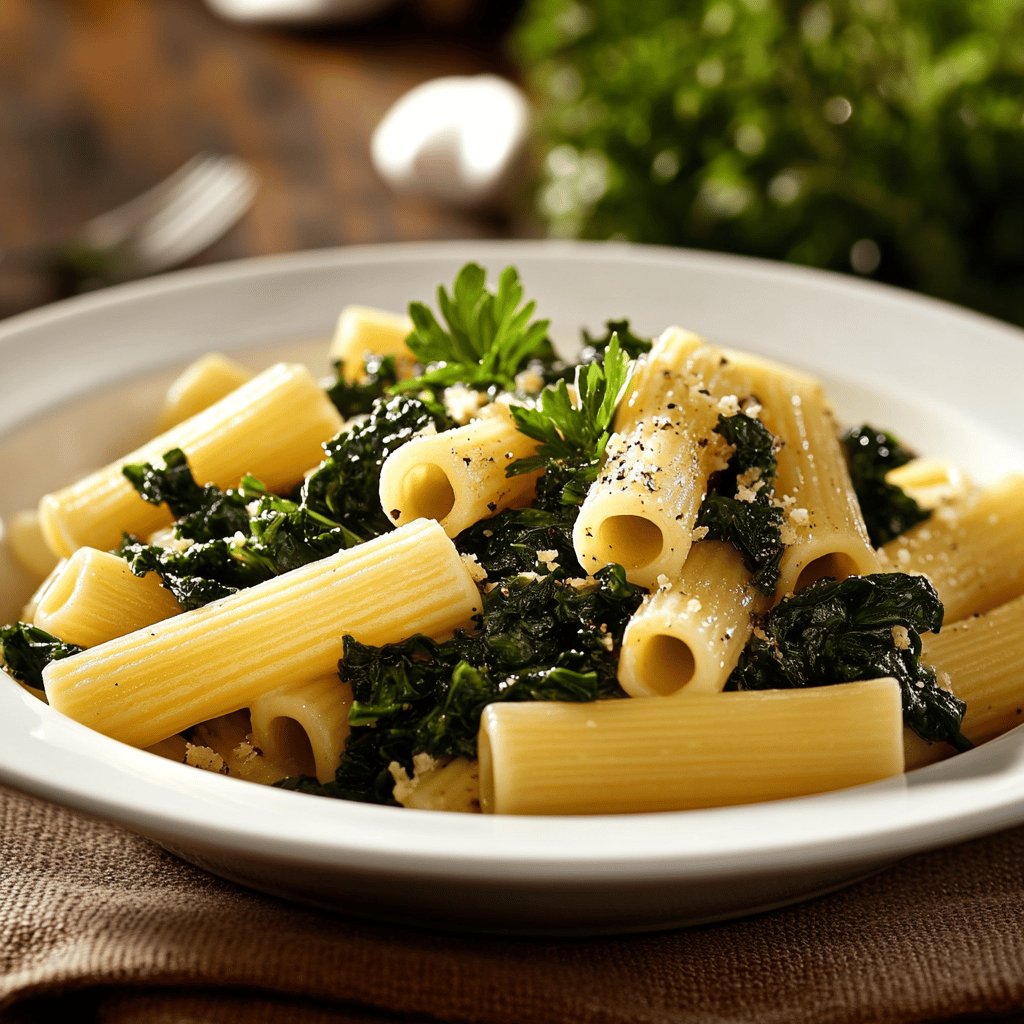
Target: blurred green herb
point(880, 138)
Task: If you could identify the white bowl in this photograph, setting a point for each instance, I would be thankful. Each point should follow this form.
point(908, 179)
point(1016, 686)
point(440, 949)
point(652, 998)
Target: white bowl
point(77, 385)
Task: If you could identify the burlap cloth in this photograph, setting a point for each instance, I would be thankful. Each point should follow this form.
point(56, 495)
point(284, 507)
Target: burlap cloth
point(100, 925)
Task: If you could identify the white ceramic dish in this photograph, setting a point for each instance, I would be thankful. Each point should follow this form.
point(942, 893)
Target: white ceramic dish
point(71, 397)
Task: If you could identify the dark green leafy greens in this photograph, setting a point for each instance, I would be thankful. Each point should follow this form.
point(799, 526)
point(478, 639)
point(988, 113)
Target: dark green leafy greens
point(862, 627)
point(539, 639)
point(243, 536)
point(27, 650)
point(751, 523)
point(488, 337)
point(594, 345)
point(355, 398)
point(888, 510)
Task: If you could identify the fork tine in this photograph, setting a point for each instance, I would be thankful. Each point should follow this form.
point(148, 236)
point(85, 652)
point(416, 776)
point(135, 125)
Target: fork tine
point(193, 218)
point(110, 228)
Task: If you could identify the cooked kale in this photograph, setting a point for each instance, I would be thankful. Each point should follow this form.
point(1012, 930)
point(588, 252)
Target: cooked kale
point(507, 544)
point(201, 573)
point(594, 346)
point(27, 650)
point(862, 627)
point(201, 512)
point(539, 639)
point(488, 339)
point(241, 537)
point(345, 489)
point(751, 524)
point(355, 398)
point(888, 510)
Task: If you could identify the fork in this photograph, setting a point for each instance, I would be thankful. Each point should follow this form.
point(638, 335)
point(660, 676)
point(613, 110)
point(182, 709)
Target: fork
point(163, 227)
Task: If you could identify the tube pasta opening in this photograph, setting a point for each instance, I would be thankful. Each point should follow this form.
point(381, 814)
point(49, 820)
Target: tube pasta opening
point(688, 634)
point(425, 492)
point(632, 541)
point(667, 664)
point(303, 726)
point(835, 565)
point(288, 744)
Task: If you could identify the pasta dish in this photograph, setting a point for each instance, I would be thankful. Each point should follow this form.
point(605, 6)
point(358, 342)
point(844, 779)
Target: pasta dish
point(462, 573)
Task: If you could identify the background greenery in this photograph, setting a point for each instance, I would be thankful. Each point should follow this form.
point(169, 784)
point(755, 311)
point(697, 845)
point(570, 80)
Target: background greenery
point(882, 138)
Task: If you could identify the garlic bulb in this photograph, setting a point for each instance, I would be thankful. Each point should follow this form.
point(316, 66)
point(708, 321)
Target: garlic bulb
point(458, 139)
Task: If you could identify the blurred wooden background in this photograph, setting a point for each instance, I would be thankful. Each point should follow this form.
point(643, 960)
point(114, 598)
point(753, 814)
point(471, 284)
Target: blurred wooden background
point(101, 98)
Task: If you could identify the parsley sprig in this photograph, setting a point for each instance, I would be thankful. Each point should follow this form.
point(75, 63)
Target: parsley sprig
point(573, 429)
point(488, 338)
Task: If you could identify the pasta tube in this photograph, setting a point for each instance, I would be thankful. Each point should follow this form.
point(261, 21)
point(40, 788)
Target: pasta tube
point(205, 663)
point(272, 427)
point(824, 532)
point(973, 550)
point(703, 750)
point(458, 476)
point(25, 538)
point(362, 330)
point(689, 634)
point(199, 385)
point(96, 597)
point(301, 723)
point(641, 510)
point(930, 482)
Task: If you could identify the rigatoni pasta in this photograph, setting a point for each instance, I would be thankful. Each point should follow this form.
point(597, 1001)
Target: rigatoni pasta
point(458, 477)
point(303, 725)
point(826, 532)
point(972, 549)
point(688, 634)
point(641, 510)
point(143, 688)
point(364, 330)
point(704, 750)
point(95, 597)
point(979, 659)
point(199, 385)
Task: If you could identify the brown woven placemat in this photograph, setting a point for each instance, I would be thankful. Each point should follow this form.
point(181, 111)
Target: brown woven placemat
point(97, 924)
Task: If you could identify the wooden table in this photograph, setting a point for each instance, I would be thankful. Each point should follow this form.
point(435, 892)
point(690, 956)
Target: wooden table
point(101, 98)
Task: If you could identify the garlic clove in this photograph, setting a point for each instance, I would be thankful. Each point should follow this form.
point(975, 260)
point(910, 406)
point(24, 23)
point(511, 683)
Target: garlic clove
point(297, 11)
point(459, 139)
